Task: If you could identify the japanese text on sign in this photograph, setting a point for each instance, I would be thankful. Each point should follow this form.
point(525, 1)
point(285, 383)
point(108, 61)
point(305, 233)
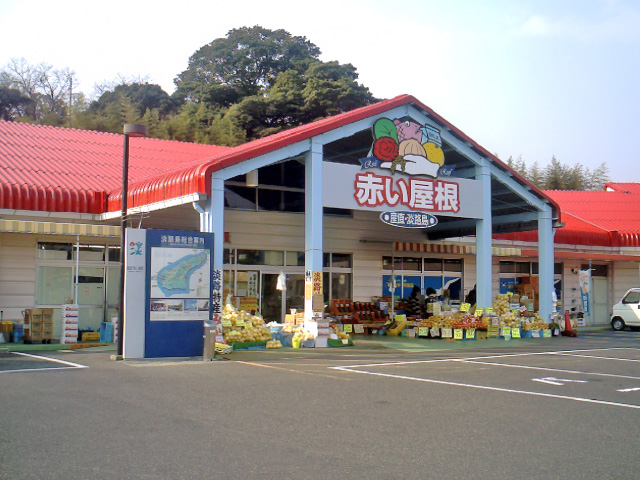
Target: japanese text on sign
point(417, 193)
point(317, 283)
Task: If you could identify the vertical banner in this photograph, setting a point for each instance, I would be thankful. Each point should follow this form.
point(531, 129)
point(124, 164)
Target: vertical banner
point(216, 303)
point(179, 294)
point(584, 279)
point(135, 303)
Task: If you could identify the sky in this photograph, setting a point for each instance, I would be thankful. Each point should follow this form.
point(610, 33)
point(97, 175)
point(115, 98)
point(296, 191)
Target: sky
point(523, 78)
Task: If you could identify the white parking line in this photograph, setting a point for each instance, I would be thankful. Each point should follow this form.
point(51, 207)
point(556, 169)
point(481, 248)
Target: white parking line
point(496, 389)
point(68, 365)
point(478, 360)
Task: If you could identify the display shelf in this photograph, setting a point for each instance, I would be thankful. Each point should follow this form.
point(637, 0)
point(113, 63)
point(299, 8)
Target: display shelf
point(342, 309)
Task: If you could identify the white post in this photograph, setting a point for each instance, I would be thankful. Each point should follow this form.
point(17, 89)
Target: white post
point(215, 213)
point(313, 228)
point(545, 262)
point(483, 241)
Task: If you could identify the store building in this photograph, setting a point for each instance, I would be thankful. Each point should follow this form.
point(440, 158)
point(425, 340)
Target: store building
point(388, 189)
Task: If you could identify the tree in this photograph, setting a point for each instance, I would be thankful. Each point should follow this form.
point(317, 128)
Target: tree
point(244, 63)
point(558, 176)
point(13, 104)
point(144, 96)
point(48, 89)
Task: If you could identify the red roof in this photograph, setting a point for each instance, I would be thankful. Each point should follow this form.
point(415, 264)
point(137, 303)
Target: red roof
point(196, 178)
point(56, 169)
point(605, 218)
point(61, 169)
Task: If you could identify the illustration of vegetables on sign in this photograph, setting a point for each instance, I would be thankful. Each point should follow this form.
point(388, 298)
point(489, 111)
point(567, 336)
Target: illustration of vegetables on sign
point(405, 146)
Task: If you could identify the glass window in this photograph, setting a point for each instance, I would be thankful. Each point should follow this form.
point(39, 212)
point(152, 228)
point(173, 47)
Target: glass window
point(227, 256)
point(411, 263)
point(432, 264)
point(227, 283)
point(260, 257)
point(326, 287)
point(272, 200)
point(557, 268)
point(54, 285)
point(523, 267)
point(113, 254)
point(295, 259)
point(113, 285)
point(632, 297)
point(340, 285)
point(507, 267)
point(452, 264)
point(596, 270)
point(341, 260)
point(326, 260)
point(91, 253)
point(54, 251)
point(240, 197)
point(386, 263)
point(293, 202)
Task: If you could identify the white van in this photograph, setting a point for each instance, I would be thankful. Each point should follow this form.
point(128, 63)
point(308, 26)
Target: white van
point(627, 311)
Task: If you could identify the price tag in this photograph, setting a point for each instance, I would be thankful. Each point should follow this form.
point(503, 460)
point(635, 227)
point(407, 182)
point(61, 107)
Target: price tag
point(226, 322)
point(348, 328)
point(470, 333)
point(345, 341)
point(489, 310)
point(358, 328)
point(523, 308)
point(506, 331)
point(546, 333)
point(435, 331)
point(465, 307)
point(515, 332)
point(240, 322)
point(423, 331)
point(516, 312)
point(495, 322)
point(493, 332)
point(458, 334)
point(535, 333)
point(478, 313)
point(447, 333)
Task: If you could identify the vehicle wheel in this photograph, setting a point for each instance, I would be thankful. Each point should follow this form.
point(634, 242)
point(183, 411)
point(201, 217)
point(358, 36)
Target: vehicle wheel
point(617, 324)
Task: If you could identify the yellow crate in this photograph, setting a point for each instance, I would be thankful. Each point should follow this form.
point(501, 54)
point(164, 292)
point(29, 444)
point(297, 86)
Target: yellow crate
point(91, 336)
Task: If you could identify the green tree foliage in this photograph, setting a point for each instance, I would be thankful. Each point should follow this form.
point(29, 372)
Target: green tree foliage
point(13, 104)
point(559, 176)
point(47, 89)
point(251, 83)
point(244, 63)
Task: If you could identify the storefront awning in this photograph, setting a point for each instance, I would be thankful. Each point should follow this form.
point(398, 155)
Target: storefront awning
point(454, 249)
point(586, 256)
point(55, 228)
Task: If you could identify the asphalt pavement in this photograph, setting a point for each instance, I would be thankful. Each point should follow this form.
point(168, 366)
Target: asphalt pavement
point(534, 409)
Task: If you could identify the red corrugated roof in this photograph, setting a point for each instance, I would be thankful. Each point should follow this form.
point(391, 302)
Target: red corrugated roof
point(56, 169)
point(605, 218)
point(61, 169)
point(196, 179)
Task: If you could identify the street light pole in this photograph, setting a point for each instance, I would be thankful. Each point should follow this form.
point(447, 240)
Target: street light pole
point(130, 130)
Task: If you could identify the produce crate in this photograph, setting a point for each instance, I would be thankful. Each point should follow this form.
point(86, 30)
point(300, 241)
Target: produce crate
point(525, 334)
point(396, 331)
point(91, 336)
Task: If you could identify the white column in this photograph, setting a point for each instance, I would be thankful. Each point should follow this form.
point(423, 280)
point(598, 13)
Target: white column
point(484, 282)
point(313, 217)
point(215, 212)
point(545, 262)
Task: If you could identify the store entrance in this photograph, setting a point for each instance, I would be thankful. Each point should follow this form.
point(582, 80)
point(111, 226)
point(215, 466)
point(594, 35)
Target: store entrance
point(274, 304)
point(271, 298)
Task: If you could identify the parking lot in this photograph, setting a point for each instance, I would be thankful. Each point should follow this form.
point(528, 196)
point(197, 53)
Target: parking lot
point(605, 376)
point(559, 408)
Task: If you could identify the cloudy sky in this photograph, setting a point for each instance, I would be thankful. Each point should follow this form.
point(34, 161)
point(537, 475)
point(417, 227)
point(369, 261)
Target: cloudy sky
point(529, 78)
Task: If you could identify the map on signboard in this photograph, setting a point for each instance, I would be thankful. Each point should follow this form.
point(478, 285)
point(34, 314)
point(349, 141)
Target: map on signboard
point(181, 272)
